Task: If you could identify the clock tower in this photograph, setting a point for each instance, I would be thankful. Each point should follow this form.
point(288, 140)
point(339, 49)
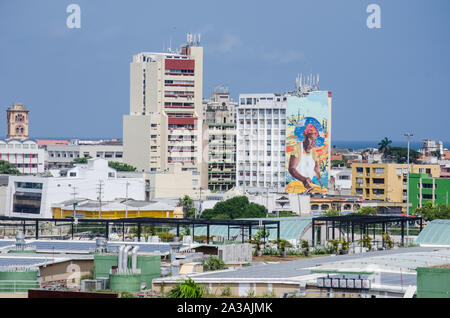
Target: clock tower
point(17, 122)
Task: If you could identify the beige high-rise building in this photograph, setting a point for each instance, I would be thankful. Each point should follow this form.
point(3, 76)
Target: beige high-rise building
point(17, 122)
point(165, 121)
point(219, 121)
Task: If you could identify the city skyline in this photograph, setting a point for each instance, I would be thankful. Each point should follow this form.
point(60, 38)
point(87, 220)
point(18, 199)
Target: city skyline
point(75, 82)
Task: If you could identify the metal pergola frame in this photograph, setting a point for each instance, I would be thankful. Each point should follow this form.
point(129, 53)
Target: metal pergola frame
point(349, 222)
point(139, 222)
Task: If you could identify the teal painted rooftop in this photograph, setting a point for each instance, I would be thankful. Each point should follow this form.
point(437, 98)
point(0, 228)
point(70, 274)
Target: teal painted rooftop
point(437, 232)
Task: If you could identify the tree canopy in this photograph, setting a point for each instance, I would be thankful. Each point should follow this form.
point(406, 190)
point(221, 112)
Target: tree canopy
point(430, 212)
point(7, 168)
point(121, 166)
point(188, 207)
point(235, 208)
point(366, 210)
point(400, 154)
point(80, 160)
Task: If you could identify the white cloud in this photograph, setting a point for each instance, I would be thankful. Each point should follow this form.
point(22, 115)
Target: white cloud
point(226, 45)
point(283, 57)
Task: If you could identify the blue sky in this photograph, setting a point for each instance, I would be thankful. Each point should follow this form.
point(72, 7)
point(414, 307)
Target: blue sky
point(385, 82)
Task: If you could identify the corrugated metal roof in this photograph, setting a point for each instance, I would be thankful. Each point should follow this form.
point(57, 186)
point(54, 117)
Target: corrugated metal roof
point(437, 232)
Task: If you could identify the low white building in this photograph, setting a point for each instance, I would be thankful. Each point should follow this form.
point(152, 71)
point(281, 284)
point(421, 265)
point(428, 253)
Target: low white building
point(341, 181)
point(33, 196)
point(61, 156)
point(24, 155)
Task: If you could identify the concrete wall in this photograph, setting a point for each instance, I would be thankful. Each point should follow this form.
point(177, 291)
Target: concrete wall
point(64, 270)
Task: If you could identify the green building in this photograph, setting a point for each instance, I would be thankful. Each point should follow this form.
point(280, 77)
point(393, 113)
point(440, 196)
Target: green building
point(423, 188)
point(433, 282)
point(150, 267)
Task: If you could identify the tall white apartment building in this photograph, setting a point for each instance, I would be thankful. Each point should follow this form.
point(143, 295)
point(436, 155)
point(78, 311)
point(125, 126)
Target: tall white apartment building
point(261, 142)
point(165, 121)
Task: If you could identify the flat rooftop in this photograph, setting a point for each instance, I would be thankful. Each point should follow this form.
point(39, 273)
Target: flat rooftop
point(393, 269)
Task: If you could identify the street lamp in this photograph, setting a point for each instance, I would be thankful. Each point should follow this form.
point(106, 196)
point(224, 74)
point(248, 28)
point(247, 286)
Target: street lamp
point(407, 193)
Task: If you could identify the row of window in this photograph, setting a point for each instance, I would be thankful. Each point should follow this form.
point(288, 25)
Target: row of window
point(26, 165)
point(255, 112)
point(179, 72)
point(176, 126)
point(261, 184)
point(29, 185)
point(17, 146)
point(99, 154)
point(267, 122)
point(255, 100)
point(178, 105)
point(178, 83)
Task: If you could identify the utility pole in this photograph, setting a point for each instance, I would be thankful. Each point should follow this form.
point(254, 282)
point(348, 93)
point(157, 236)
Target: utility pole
point(407, 194)
point(99, 191)
point(126, 199)
point(74, 205)
point(200, 207)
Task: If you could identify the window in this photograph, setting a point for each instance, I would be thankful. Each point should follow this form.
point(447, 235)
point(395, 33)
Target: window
point(72, 174)
point(359, 170)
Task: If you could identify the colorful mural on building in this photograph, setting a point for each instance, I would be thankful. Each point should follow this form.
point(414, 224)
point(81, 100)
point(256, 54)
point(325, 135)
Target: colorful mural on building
point(308, 142)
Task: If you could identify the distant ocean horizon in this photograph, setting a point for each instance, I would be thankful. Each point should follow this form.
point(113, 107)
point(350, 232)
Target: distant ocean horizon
point(357, 145)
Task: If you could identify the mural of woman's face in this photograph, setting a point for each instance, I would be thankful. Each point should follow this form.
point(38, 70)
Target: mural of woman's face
point(309, 141)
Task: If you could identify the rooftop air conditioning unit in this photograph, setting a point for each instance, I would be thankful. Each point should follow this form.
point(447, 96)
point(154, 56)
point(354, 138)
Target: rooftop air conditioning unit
point(90, 284)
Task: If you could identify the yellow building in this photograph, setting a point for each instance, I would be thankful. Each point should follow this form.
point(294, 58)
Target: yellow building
point(115, 209)
point(386, 182)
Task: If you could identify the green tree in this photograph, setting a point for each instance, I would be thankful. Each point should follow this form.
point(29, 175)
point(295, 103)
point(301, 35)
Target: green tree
point(234, 208)
point(343, 162)
point(332, 213)
point(121, 166)
point(399, 154)
point(366, 210)
point(7, 168)
point(186, 289)
point(80, 160)
point(258, 238)
point(187, 204)
point(436, 154)
point(283, 244)
point(366, 241)
point(335, 245)
point(387, 241)
point(430, 212)
point(213, 263)
point(384, 146)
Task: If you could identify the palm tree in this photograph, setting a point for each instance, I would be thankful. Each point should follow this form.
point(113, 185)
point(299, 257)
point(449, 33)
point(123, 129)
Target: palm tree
point(384, 146)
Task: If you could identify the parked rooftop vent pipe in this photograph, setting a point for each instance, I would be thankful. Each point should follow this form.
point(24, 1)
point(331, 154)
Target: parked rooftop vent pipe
point(119, 258)
point(125, 258)
point(134, 258)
